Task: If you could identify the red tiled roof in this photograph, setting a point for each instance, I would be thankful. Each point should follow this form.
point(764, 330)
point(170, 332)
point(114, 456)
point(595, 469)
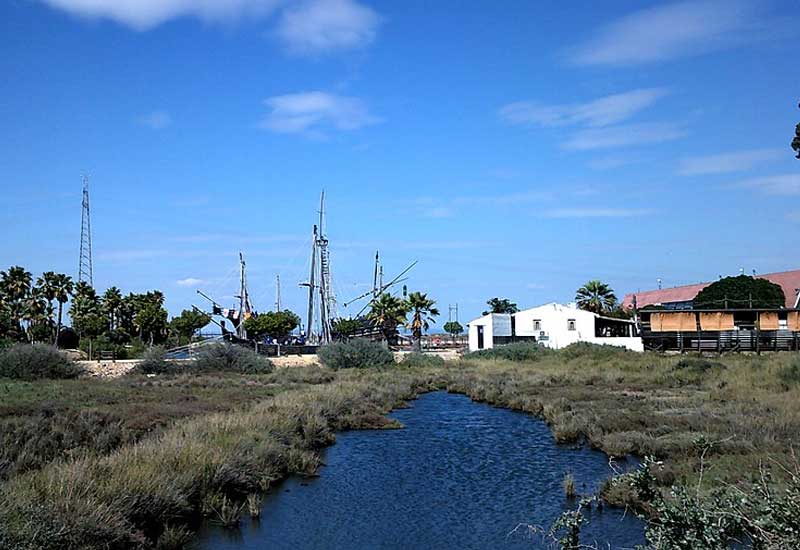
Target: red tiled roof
point(789, 281)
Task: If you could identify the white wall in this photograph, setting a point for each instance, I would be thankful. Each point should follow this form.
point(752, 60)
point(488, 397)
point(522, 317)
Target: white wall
point(494, 324)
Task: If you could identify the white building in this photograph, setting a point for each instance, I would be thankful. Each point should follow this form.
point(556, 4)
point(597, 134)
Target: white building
point(552, 325)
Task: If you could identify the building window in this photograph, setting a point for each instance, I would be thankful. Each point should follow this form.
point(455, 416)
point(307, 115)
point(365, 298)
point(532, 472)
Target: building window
point(571, 324)
point(537, 325)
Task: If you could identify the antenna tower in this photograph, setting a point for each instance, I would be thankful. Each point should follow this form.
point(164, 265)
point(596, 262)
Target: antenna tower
point(85, 263)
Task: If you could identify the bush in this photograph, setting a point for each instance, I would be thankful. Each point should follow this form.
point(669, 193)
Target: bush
point(154, 361)
point(421, 360)
point(697, 364)
point(518, 351)
point(34, 361)
point(230, 357)
point(789, 374)
point(355, 354)
point(587, 350)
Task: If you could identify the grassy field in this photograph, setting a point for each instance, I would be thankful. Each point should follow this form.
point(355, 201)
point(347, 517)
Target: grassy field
point(129, 463)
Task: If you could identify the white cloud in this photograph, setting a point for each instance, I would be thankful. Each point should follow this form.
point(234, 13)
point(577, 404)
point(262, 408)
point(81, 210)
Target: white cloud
point(146, 14)
point(609, 163)
point(603, 111)
point(594, 213)
point(674, 30)
point(157, 120)
point(320, 26)
point(313, 112)
point(784, 184)
point(189, 281)
point(440, 212)
point(738, 161)
point(624, 135)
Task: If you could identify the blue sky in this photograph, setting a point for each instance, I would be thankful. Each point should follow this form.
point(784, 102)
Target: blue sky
point(515, 149)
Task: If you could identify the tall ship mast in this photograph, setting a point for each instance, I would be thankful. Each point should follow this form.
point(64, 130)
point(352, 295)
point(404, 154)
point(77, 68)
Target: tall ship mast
point(321, 296)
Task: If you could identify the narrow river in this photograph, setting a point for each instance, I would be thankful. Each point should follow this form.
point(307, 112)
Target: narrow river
point(460, 475)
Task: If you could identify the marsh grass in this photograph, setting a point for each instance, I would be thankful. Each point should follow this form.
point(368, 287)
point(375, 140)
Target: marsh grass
point(196, 457)
point(124, 499)
point(43, 420)
point(569, 486)
point(254, 505)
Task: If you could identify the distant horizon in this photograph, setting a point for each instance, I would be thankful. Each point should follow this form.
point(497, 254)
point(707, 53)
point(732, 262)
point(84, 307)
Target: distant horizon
point(516, 150)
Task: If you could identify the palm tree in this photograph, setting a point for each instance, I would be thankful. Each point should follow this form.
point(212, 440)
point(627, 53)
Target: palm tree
point(112, 301)
point(16, 282)
point(16, 286)
point(387, 313)
point(37, 314)
point(596, 296)
point(423, 311)
point(47, 287)
point(63, 290)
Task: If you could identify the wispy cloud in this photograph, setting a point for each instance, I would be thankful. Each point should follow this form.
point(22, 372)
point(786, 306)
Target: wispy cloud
point(189, 281)
point(157, 120)
point(611, 162)
point(603, 111)
point(439, 212)
point(783, 184)
point(625, 135)
point(594, 213)
point(313, 113)
point(676, 30)
point(142, 15)
point(322, 26)
point(130, 255)
point(738, 161)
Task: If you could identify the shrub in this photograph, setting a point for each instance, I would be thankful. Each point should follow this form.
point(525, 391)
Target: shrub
point(421, 360)
point(34, 361)
point(587, 350)
point(230, 357)
point(789, 374)
point(697, 364)
point(518, 351)
point(355, 354)
point(154, 361)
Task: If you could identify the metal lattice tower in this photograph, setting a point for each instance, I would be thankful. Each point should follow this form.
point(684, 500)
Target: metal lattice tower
point(85, 264)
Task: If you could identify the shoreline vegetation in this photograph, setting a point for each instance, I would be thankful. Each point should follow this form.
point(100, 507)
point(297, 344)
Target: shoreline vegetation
point(136, 462)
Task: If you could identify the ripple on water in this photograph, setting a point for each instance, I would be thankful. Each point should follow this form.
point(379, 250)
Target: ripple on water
point(459, 475)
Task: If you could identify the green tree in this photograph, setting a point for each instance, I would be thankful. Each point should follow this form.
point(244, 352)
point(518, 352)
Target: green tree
point(275, 324)
point(796, 140)
point(151, 320)
point(501, 305)
point(422, 311)
point(112, 301)
point(38, 315)
point(63, 290)
point(596, 296)
point(740, 292)
point(15, 285)
point(86, 312)
point(189, 322)
point(387, 312)
point(453, 328)
point(47, 285)
point(343, 328)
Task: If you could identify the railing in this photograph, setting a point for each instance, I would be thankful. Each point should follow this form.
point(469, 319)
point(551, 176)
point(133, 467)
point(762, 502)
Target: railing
point(723, 341)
